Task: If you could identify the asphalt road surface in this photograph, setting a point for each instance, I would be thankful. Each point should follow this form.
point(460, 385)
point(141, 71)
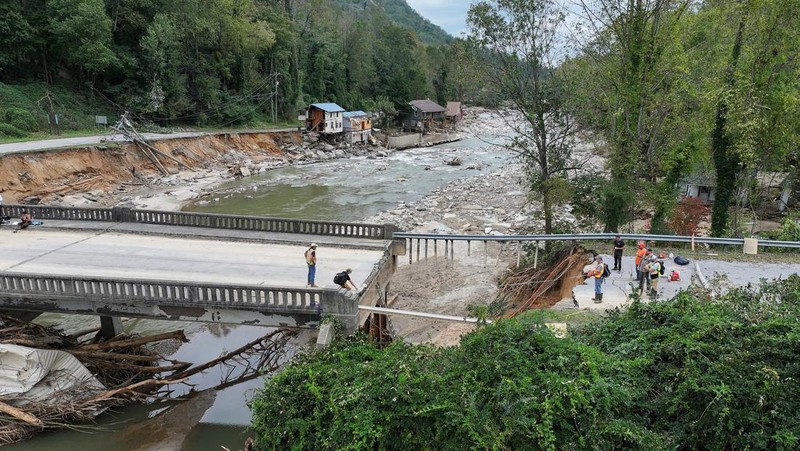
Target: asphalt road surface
point(31, 146)
point(111, 254)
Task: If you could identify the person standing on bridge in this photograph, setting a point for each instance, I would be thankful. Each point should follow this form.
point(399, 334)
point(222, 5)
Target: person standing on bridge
point(311, 261)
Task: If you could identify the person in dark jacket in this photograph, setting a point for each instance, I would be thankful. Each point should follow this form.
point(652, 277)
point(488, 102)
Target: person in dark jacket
point(619, 247)
point(343, 280)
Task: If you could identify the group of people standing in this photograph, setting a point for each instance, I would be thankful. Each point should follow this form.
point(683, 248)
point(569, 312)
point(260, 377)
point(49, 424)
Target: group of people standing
point(342, 279)
point(647, 265)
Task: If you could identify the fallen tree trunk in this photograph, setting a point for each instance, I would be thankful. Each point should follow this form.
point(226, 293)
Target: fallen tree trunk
point(138, 341)
point(20, 414)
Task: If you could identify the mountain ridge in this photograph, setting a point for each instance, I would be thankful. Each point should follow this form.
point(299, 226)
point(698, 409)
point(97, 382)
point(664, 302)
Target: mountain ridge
point(402, 14)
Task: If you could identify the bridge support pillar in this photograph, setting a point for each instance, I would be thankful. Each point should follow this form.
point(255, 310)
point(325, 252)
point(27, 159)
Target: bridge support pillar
point(110, 326)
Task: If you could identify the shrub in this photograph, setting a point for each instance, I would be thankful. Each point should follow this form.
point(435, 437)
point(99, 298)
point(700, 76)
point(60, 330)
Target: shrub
point(788, 231)
point(687, 215)
point(10, 130)
point(21, 119)
point(510, 385)
point(681, 374)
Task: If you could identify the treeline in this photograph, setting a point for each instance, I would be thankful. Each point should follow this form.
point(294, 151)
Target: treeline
point(679, 88)
point(707, 89)
point(220, 61)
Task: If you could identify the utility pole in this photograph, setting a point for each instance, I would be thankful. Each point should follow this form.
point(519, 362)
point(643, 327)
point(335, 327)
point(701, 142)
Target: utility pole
point(275, 109)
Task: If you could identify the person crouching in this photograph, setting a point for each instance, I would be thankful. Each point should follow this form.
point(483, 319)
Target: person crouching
point(343, 280)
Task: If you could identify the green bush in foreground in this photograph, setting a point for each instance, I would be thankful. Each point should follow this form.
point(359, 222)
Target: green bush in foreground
point(10, 130)
point(681, 374)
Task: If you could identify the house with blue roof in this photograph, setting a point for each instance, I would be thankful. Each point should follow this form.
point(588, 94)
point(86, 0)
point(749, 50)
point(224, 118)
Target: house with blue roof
point(325, 118)
point(357, 127)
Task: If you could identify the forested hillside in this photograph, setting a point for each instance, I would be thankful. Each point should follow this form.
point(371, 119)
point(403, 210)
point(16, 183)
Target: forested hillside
point(674, 89)
point(216, 62)
point(401, 14)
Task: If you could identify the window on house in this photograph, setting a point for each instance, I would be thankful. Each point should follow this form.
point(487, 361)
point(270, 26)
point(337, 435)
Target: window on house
point(704, 193)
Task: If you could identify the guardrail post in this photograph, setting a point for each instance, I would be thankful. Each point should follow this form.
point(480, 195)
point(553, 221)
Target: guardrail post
point(536, 257)
point(750, 246)
point(120, 214)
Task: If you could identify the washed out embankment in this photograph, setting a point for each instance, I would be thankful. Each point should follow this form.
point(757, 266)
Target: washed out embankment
point(110, 171)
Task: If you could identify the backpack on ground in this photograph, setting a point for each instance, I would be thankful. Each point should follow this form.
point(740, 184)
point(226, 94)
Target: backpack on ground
point(340, 278)
point(661, 269)
point(606, 271)
point(681, 260)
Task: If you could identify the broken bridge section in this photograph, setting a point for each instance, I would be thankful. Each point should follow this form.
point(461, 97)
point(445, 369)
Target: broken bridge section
point(192, 267)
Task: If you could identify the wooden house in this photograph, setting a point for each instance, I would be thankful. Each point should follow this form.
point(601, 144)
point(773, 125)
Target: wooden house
point(325, 118)
point(454, 113)
point(424, 114)
point(357, 126)
point(697, 185)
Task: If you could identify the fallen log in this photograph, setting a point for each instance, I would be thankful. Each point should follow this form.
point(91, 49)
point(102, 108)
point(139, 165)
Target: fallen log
point(19, 414)
point(138, 341)
point(114, 355)
point(176, 367)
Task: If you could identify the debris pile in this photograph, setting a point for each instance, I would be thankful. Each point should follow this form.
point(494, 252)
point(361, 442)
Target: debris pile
point(544, 285)
point(121, 370)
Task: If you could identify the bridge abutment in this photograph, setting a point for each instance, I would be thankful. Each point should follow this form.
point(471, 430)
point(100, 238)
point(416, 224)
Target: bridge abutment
point(110, 326)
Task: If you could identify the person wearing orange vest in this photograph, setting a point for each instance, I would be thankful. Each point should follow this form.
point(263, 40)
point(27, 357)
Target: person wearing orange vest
point(640, 253)
point(597, 272)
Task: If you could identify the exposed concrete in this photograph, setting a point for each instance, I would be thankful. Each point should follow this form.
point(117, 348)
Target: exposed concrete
point(750, 246)
point(187, 256)
point(110, 326)
point(718, 276)
point(326, 335)
point(618, 287)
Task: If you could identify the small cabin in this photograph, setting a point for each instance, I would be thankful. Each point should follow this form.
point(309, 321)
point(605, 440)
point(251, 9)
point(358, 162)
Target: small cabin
point(454, 113)
point(325, 118)
point(357, 126)
point(424, 114)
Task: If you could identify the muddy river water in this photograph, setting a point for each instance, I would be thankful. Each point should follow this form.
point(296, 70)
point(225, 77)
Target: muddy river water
point(342, 190)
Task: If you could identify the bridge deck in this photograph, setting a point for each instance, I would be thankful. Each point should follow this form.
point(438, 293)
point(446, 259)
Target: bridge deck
point(190, 254)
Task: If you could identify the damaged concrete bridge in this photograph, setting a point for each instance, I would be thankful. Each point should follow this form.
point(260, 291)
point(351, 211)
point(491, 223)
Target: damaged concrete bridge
point(190, 266)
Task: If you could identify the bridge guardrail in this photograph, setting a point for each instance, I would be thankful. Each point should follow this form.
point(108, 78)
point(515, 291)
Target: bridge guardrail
point(422, 240)
point(165, 292)
point(208, 220)
point(596, 236)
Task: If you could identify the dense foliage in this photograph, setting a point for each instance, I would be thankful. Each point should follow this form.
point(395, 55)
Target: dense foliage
point(688, 373)
point(669, 88)
point(223, 62)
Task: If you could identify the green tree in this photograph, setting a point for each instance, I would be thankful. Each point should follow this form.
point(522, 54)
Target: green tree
point(629, 60)
point(17, 36)
point(516, 40)
point(81, 32)
point(755, 125)
point(161, 46)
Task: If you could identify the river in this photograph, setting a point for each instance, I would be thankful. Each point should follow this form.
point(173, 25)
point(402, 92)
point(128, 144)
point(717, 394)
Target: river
point(351, 189)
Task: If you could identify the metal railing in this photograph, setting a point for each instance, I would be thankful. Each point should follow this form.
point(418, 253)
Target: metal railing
point(423, 241)
point(596, 236)
point(219, 221)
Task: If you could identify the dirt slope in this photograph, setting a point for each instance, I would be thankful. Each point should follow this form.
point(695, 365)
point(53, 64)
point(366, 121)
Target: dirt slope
point(50, 174)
